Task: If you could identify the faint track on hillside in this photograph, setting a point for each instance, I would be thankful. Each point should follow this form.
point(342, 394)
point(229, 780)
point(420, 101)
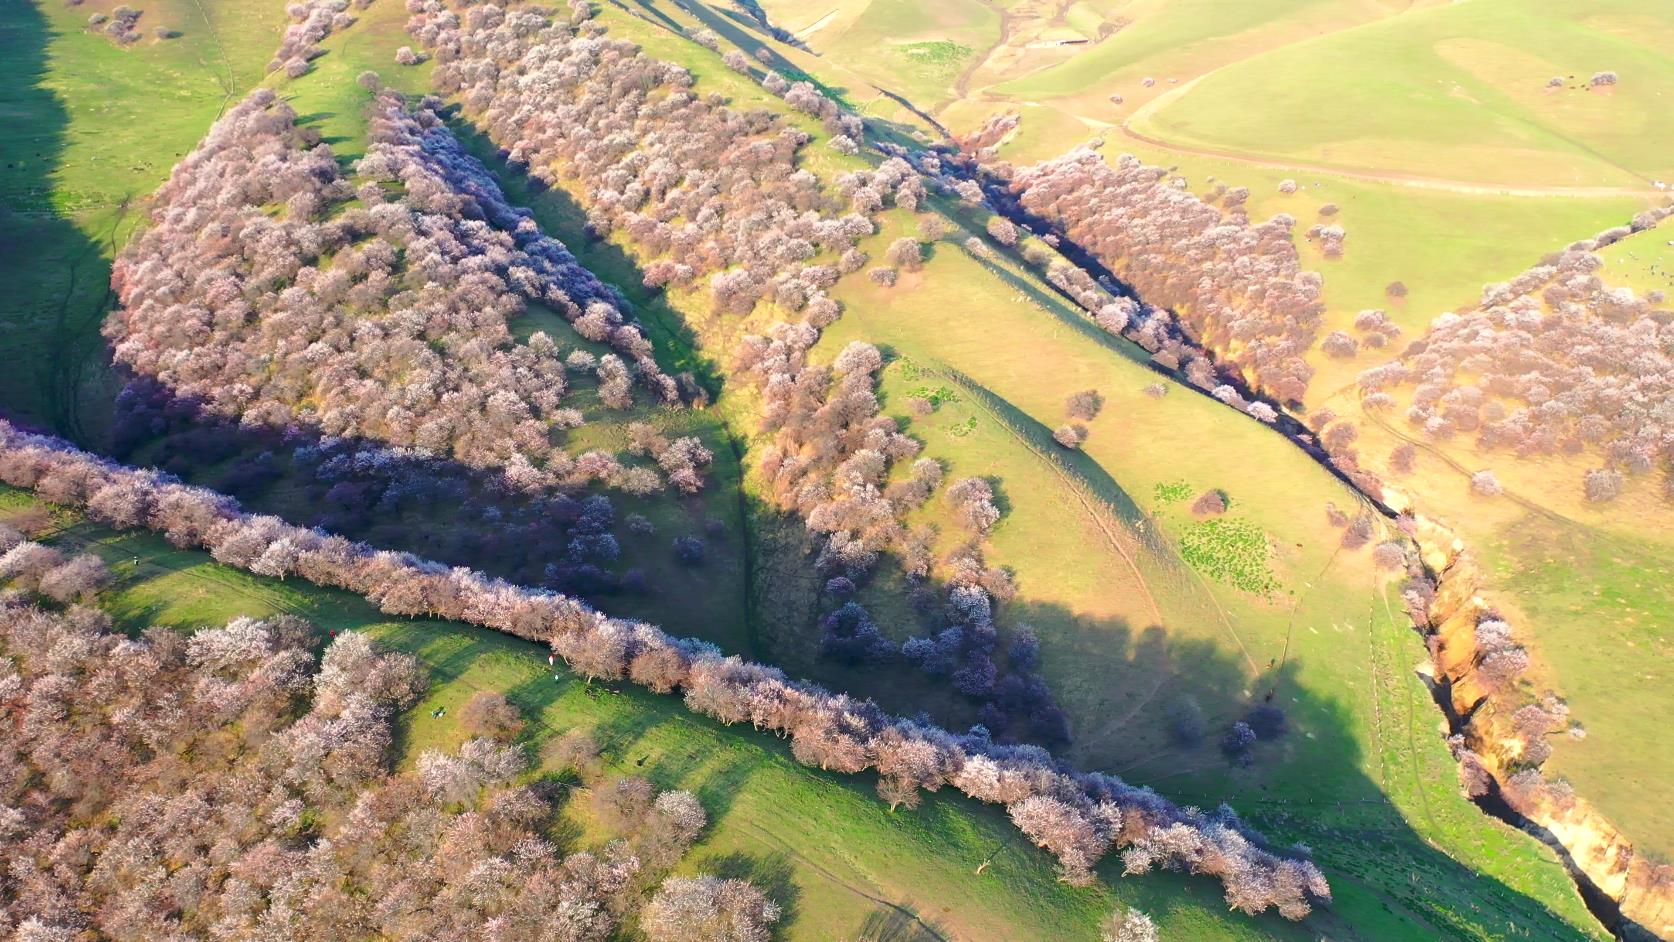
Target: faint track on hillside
point(834, 878)
point(1389, 176)
point(226, 81)
point(1094, 511)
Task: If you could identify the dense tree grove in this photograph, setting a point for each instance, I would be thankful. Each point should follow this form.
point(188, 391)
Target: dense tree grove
point(258, 293)
point(1090, 814)
point(1554, 361)
point(706, 191)
point(226, 785)
point(831, 462)
point(1238, 287)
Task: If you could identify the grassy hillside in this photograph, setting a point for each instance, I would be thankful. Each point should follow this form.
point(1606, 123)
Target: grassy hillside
point(93, 127)
point(1432, 128)
point(1128, 590)
point(1461, 89)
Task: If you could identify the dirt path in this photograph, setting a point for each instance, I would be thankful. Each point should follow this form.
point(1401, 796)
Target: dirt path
point(226, 83)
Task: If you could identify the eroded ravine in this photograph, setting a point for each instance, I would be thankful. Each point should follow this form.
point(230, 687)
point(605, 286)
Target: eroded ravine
point(1620, 888)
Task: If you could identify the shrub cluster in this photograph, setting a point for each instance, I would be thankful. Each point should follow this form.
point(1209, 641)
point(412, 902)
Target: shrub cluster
point(1077, 816)
point(311, 22)
point(121, 25)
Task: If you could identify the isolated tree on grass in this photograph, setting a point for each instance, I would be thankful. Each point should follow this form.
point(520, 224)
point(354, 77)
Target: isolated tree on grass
point(1210, 504)
point(1002, 230)
point(1129, 926)
point(1486, 484)
point(973, 504)
point(490, 716)
point(1602, 485)
point(1084, 405)
point(905, 253)
point(1070, 435)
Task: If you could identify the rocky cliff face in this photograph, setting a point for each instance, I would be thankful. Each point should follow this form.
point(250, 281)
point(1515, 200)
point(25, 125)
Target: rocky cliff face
point(1597, 850)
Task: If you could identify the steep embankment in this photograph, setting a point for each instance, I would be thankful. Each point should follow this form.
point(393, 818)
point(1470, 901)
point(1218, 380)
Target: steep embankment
point(1628, 892)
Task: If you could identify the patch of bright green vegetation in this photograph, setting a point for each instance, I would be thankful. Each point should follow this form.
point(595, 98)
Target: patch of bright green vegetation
point(1231, 550)
point(940, 59)
point(1173, 492)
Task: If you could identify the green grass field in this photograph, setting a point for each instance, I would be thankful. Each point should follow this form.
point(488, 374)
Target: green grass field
point(1457, 91)
point(1138, 609)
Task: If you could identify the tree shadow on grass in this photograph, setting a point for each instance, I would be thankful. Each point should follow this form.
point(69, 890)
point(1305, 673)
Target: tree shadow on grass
point(57, 278)
point(896, 925)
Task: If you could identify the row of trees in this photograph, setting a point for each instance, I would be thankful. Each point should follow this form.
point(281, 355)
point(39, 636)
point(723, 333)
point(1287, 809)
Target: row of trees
point(1555, 361)
point(229, 785)
point(1238, 287)
point(311, 22)
point(259, 294)
point(1077, 816)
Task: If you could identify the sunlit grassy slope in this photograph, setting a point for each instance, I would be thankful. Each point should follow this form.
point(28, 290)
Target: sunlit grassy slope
point(1130, 626)
point(1454, 164)
point(91, 129)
